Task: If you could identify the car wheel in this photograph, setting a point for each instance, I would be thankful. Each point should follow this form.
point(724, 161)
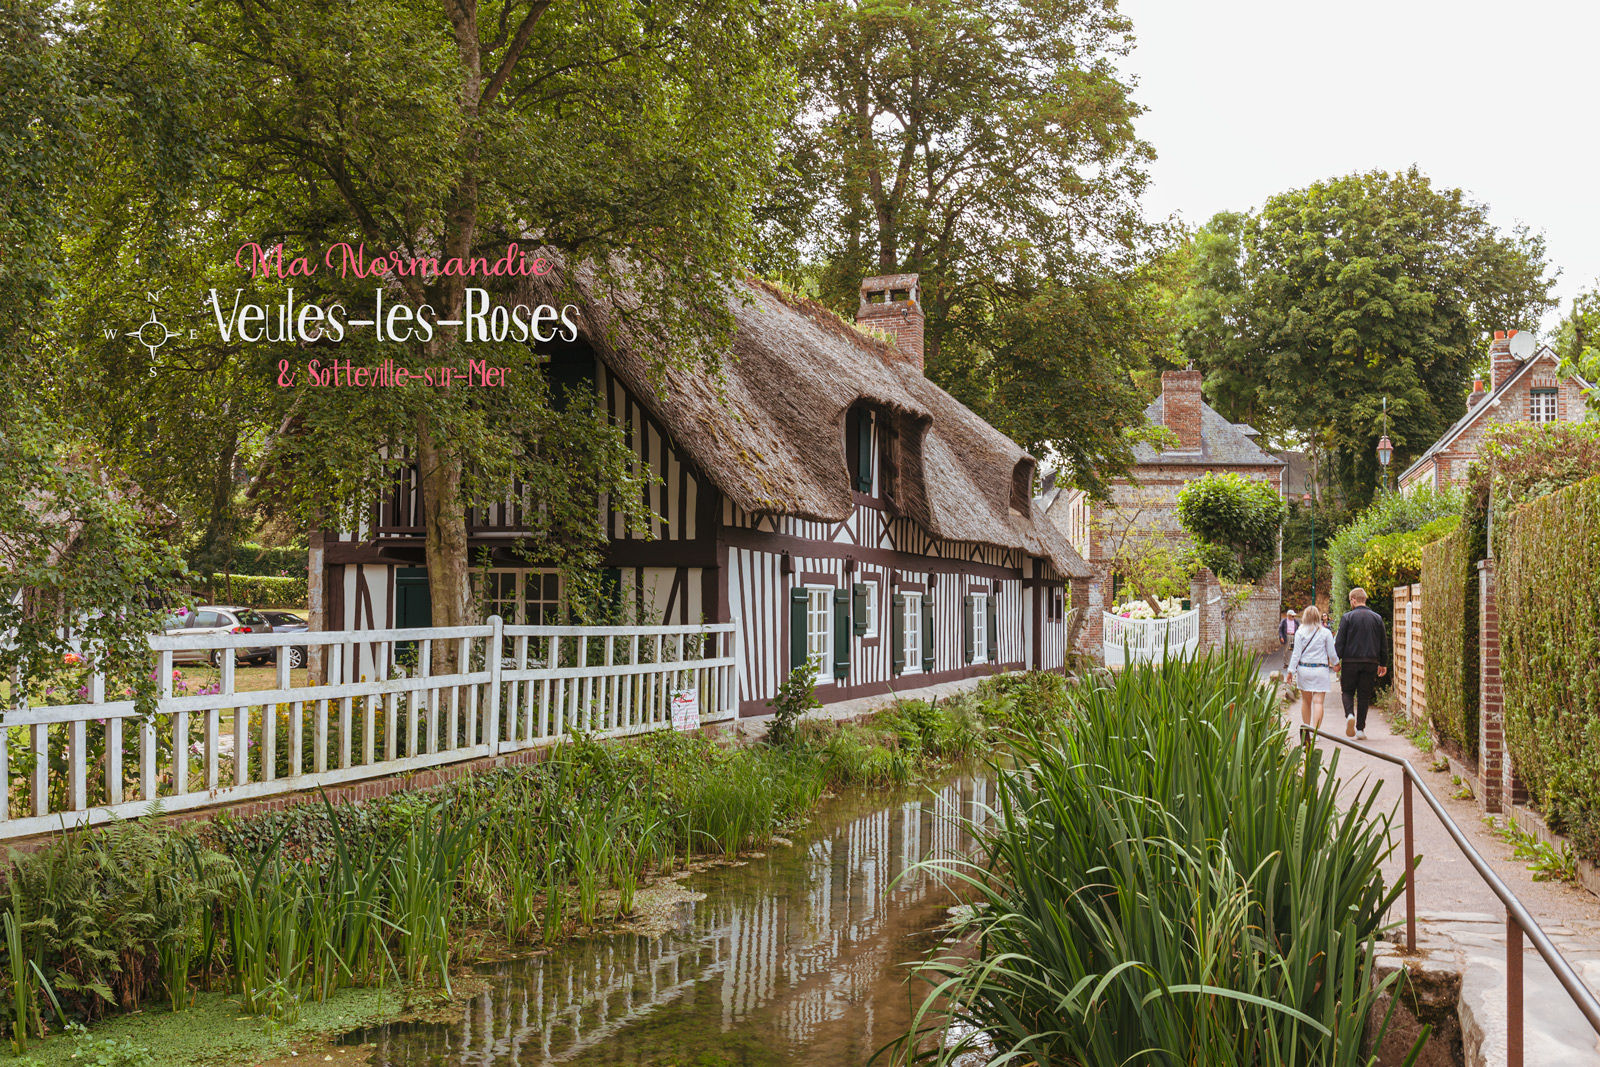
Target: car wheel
point(297, 657)
point(215, 658)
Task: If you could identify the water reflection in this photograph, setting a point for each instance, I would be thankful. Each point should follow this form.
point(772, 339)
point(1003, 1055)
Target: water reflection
point(795, 958)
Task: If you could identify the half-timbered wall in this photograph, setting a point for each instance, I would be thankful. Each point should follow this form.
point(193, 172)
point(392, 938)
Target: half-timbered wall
point(700, 557)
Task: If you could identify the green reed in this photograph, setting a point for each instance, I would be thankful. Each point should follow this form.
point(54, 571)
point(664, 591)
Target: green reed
point(1169, 880)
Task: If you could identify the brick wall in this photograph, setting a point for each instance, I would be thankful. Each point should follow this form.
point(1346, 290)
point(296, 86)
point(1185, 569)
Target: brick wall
point(1491, 709)
point(1180, 406)
point(1450, 464)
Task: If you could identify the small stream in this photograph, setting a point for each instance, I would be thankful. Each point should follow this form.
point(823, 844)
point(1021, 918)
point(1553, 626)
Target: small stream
point(795, 958)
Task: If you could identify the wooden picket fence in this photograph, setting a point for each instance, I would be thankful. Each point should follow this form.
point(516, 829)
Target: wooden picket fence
point(379, 709)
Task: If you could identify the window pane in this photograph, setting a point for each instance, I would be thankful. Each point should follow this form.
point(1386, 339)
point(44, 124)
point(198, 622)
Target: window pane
point(819, 616)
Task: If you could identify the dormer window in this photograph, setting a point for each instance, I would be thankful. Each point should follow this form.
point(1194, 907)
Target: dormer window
point(862, 450)
point(1022, 486)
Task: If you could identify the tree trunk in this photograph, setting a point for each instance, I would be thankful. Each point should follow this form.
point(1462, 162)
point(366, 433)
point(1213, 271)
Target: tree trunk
point(444, 519)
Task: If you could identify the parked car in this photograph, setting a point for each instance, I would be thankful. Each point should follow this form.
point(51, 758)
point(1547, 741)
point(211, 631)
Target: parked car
point(214, 619)
point(287, 622)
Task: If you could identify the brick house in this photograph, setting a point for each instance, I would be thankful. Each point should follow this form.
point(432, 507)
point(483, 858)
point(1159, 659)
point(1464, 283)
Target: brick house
point(1521, 390)
point(1146, 505)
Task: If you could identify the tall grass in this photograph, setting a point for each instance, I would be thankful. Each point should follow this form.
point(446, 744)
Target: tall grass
point(1169, 881)
point(290, 906)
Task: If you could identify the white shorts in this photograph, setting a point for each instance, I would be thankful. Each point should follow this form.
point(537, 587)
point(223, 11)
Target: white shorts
point(1314, 679)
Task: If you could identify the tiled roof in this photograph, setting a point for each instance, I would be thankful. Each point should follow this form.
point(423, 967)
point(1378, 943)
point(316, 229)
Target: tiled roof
point(1221, 444)
point(1476, 410)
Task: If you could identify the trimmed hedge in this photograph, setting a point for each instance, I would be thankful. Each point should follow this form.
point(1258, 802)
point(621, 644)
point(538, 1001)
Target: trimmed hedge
point(1450, 638)
point(1549, 596)
point(253, 591)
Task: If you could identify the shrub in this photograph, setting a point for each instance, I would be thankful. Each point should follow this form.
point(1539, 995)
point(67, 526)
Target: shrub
point(1234, 521)
point(1549, 600)
point(251, 591)
point(796, 696)
point(1391, 513)
point(1396, 559)
point(1528, 460)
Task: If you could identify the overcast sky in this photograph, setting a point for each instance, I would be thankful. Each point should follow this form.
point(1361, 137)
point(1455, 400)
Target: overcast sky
point(1247, 98)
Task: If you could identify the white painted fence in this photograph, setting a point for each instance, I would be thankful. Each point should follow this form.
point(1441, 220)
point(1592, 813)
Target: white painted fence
point(1150, 640)
point(544, 682)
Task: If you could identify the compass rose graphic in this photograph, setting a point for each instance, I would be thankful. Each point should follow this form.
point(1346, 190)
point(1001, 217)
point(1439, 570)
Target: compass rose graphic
point(153, 333)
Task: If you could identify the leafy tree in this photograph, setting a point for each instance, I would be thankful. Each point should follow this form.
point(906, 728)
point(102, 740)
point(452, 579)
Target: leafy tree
point(1234, 521)
point(1308, 313)
point(1578, 344)
point(84, 569)
point(626, 141)
point(990, 149)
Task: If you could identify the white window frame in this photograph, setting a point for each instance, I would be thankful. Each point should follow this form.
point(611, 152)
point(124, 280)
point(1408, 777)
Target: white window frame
point(872, 610)
point(980, 627)
point(913, 628)
point(1542, 405)
point(518, 602)
point(819, 643)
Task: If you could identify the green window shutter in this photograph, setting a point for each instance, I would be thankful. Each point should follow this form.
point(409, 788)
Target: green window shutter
point(993, 617)
point(864, 452)
point(897, 633)
point(927, 632)
point(969, 606)
point(841, 633)
point(798, 600)
point(858, 594)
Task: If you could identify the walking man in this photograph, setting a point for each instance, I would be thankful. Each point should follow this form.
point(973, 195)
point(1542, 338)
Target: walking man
point(1363, 647)
point(1286, 631)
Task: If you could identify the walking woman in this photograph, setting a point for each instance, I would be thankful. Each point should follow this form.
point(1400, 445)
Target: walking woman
point(1311, 666)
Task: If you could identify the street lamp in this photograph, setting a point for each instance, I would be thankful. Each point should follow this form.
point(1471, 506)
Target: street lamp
point(1385, 448)
point(1310, 503)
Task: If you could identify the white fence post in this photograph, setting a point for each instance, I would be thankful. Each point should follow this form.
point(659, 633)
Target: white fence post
point(492, 715)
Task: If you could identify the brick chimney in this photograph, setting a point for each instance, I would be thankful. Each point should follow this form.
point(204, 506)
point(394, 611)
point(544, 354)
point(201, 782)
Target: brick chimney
point(1502, 364)
point(1180, 407)
point(892, 303)
point(1477, 394)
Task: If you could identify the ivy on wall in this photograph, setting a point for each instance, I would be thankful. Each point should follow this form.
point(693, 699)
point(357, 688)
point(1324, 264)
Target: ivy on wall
point(1549, 598)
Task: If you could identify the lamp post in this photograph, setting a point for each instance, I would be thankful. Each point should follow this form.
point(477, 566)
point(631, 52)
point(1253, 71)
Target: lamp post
point(1310, 502)
point(1385, 448)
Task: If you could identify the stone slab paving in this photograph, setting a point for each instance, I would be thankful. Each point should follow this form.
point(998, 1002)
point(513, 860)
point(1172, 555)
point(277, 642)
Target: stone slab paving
point(1454, 903)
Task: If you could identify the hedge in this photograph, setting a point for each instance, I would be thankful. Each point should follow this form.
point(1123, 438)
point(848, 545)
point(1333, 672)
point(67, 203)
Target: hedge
point(254, 591)
point(1450, 638)
point(1451, 596)
point(1549, 598)
point(257, 560)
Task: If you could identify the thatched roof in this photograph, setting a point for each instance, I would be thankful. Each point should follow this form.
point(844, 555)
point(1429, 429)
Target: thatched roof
point(770, 433)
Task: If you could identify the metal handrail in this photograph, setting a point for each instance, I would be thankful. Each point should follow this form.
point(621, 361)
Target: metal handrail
point(1518, 921)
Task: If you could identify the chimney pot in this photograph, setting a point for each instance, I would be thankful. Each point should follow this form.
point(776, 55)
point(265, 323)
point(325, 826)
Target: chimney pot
point(892, 303)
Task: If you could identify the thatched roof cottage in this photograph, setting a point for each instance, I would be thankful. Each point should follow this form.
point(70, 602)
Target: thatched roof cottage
point(824, 495)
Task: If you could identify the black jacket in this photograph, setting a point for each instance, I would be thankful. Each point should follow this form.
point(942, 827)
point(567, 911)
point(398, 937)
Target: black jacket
point(1361, 637)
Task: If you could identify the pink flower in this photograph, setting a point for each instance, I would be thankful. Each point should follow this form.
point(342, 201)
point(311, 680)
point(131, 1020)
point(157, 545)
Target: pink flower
point(177, 674)
point(71, 659)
